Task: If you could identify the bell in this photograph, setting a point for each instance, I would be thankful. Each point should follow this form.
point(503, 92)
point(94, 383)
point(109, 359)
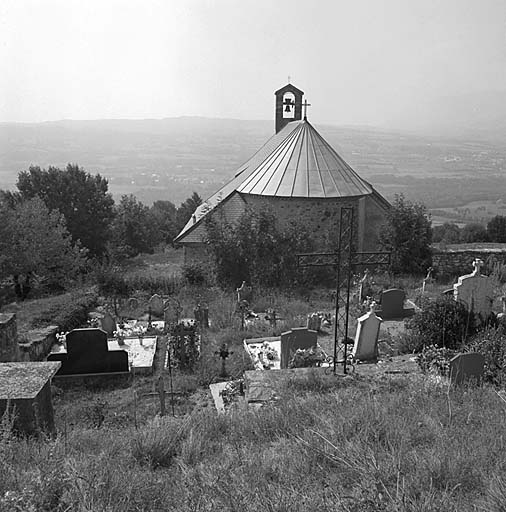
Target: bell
point(287, 108)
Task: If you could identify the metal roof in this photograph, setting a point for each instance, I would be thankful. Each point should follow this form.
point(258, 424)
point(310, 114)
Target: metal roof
point(295, 162)
point(304, 165)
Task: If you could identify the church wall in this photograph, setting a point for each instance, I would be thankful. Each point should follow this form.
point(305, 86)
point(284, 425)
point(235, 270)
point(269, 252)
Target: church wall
point(320, 215)
point(375, 217)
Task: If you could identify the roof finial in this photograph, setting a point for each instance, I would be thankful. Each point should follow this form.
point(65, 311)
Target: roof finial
point(305, 105)
point(289, 78)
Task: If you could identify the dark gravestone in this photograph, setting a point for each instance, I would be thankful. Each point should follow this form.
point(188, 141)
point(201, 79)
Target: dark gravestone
point(392, 305)
point(291, 341)
point(88, 352)
point(468, 366)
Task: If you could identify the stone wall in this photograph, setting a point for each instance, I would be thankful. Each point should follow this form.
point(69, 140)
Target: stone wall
point(9, 350)
point(456, 263)
point(35, 345)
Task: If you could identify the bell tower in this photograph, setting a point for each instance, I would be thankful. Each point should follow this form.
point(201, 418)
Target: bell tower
point(288, 105)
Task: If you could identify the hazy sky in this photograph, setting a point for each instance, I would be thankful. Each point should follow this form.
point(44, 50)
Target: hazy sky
point(377, 62)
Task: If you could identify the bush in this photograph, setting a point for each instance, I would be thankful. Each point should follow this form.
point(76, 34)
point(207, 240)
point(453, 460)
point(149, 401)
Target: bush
point(442, 323)
point(433, 358)
point(195, 274)
point(492, 344)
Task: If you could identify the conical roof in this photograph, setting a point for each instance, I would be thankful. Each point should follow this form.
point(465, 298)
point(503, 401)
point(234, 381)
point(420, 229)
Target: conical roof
point(304, 165)
point(295, 162)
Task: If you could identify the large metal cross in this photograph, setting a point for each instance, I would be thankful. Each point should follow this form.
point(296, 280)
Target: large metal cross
point(344, 259)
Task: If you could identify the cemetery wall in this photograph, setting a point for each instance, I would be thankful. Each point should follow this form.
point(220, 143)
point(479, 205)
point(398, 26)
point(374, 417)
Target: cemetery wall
point(461, 262)
point(9, 350)
point(36, 344)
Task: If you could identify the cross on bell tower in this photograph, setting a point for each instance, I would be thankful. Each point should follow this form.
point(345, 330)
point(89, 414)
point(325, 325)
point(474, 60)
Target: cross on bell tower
point(288, 105)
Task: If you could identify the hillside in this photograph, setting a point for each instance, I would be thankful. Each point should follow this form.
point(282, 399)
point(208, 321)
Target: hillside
point(170, 158)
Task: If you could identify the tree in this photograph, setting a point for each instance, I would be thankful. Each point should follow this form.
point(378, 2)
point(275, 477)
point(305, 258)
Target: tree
point(407, 233)
point(496, 229)
point(134, 229)
point(474, 232)
point(81, 198)
point(448, 233)
point(34, 240)
point(256, 250)
point(164, 215)
point(186, 209)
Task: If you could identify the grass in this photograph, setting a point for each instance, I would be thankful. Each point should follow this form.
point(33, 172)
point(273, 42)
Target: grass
point(356, 446)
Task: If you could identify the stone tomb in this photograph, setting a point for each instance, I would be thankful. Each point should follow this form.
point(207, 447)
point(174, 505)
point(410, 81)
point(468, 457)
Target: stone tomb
point(108, 324)
point(392, 305)
point(297, 338)
point(26, 389)
point(464, 367)
point(9, 349)
point(476, 291)
point(366, 338)
point(88, 353)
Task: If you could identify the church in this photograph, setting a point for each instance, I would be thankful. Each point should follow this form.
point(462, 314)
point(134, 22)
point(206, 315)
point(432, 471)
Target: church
point(298, 176)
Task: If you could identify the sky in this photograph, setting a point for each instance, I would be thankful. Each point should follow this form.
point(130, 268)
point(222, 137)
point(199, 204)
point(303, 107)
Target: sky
point(359, 62)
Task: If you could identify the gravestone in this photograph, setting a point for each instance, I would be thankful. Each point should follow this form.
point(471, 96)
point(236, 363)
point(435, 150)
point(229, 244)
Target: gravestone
point(133, 303)
point(244, 293)
point(88, 352)
point(108, 324)
point(156, 305)
point(314, 321)
point(468, 366)
point(297, 338)
point(201, 315)
point(25, 388)
point(366, 338)
point(392, 305)
point(476, 291)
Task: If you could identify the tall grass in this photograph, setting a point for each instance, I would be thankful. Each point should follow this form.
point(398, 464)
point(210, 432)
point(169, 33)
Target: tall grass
point(393, 445)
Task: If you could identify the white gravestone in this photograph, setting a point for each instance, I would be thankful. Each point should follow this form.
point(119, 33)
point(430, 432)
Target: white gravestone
point(476, 291)
point(156, 305)
point(366, 339)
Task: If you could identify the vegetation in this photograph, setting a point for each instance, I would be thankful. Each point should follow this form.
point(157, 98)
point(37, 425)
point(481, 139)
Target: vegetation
point(407, 234)
point(496, 229)
point(35, 245)
point(257, 250)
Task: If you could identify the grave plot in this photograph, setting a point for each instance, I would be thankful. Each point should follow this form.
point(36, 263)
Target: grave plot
point(183, 346)
point(88, 352)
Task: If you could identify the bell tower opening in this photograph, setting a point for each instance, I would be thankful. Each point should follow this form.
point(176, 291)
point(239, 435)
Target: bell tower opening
point(288, 106)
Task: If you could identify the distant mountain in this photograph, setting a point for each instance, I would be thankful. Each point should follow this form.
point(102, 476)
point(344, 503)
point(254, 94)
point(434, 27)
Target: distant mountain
point(171, 158)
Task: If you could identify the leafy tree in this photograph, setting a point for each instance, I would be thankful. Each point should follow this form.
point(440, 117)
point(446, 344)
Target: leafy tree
point(164, 215)
point(496, 229)
point(256, 250)
point(474, 232)
point(448, 233)
point(34, 240)
point(134, 229)
point(407, 233)
point(186, 209)
point(81, 198)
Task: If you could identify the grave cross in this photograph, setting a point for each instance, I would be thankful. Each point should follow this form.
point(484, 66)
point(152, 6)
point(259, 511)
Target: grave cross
point(344, 259)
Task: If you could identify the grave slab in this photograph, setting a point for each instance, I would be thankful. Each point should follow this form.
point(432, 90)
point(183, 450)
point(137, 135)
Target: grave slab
point(265, 353)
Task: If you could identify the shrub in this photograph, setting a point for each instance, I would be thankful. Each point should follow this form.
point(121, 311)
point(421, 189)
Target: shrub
point(435, 358)
point(195, 274)
point(492, 344)
point(442, 323)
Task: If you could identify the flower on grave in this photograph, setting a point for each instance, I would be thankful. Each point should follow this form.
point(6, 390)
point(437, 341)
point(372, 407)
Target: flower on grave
point(61, 337)
point(95, 323)
point(268, 351)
